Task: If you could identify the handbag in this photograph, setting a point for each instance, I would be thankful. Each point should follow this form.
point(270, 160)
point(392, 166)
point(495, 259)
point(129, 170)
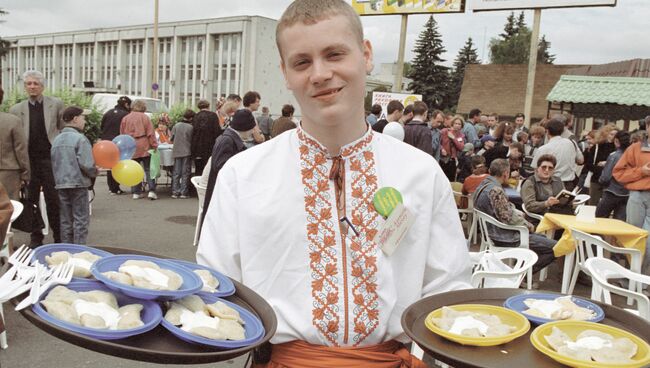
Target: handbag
point(30, 219)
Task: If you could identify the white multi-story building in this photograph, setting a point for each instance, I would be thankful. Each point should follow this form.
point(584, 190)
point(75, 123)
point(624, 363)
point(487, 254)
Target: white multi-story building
point(196, 59)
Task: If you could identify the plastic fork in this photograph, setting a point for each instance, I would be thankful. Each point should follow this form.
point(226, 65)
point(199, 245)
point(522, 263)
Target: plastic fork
point(62, 274)
point(20, 258)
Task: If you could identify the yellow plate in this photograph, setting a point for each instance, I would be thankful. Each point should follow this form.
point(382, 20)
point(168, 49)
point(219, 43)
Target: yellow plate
point(573, 329)
point(507, 316)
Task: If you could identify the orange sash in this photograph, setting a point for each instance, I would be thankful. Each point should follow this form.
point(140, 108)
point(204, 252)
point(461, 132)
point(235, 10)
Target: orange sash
point(300, 354)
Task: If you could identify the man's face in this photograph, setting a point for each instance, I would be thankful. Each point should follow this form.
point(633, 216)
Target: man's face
point(398, 115)
point(79, 121)
point(476, 119)
point(515, 154)
point(437, 121)
point(255, 105)
point(519, 121)
point(545, 170)
point(492, 121)
point(33, 87)
point(536, 139)
point(325, 67)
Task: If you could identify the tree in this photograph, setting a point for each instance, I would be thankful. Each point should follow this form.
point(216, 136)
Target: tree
point(510, 29)
point(429, 77)
point(467, 55)
point(4, 44)
point(515, 49)
point(543, 54)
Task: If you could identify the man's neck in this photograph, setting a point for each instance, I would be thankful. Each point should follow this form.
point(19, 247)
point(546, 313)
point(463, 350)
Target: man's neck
point(35, 99)
point(335, 137)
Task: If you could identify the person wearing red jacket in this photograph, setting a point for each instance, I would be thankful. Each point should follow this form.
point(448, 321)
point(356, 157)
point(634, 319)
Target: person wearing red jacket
point(452, 143)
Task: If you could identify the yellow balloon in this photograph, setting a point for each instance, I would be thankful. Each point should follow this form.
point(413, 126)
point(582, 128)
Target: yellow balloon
point(128, 172)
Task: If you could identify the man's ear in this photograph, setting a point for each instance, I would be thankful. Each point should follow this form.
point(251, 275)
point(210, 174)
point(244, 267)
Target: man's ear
point(367, 54)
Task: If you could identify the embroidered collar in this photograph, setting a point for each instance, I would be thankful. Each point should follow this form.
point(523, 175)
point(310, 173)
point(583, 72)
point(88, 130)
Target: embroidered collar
point(350, 149)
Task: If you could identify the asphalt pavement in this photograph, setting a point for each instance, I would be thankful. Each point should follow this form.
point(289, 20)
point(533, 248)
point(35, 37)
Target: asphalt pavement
point(164, 226)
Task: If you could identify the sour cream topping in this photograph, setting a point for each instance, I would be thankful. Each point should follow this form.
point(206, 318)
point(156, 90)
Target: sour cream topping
point(466, 323)
point(153, 276)
point(191, 320)
point(546, 307)
point(589, 342)
point(102, 310)
point(79, 262)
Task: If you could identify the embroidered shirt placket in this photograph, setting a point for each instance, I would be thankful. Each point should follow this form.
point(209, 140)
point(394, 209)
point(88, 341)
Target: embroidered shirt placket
point(337, 175)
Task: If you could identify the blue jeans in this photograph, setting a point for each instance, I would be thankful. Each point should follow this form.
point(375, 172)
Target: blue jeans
point(181, 176)
point(75, 215)
point(638, 214)
point(151, 183)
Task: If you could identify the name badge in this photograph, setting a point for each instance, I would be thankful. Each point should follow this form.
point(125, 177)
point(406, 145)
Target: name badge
point(394, 229)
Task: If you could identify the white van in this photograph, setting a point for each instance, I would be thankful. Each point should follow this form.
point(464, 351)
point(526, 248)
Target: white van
point(106, 101)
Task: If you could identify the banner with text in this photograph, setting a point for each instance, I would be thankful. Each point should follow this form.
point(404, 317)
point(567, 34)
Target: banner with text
point(383, 98)
point(480, 5)
point(387, 7)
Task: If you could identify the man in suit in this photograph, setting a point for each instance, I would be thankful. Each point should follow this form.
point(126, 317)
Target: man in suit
point(14, 160)
point(41, 121)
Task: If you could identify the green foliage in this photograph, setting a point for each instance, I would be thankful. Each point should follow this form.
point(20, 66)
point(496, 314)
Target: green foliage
point(175, 113)
point(4, 44)
point(69, 98)
point(367, 101)
point(430, 77)
point(467, 55)
point(513, 46)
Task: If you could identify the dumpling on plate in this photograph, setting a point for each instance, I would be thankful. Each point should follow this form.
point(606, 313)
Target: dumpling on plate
point(231, 330)
point(99, 296)
point(56, 258)
point(210, 283)
point(130, 317)
point(120, 277)
point(221, 310)
point(62, 294)
point(92, 321)
point(193, 303)
point(175, 280)
point(62, 311)
point(173, 314)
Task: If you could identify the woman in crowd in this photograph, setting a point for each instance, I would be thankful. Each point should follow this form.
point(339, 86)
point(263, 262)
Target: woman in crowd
point(614, 195)
point(595, 159)
point(539, 192)
point(137, 125)
point(162, 130)
point(452, 143)
point(504, 133)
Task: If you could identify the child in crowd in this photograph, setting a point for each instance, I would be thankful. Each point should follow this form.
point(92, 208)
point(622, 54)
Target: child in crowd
point(74, 168)
point(181, 137)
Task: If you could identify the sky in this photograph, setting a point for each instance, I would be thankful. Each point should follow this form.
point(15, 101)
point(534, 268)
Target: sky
point(578, 35)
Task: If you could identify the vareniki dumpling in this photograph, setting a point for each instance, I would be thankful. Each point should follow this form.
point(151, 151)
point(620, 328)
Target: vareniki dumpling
point(215, 321)
point(93, 309)
point(472, 324)
point(591, 345)
point(81, 261)
point(147, 275)
point(210, 283)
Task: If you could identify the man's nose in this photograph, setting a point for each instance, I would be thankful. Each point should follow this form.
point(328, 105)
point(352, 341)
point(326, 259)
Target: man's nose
point(320, 72)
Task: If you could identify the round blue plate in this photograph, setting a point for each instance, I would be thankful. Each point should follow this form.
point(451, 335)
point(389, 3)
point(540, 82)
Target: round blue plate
point(46, 250)
point(516, 303)
point(151, 313)
point(226, 287)
point(191, 281)
point(253, 328)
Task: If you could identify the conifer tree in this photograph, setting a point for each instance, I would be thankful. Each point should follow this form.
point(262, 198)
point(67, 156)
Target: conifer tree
point(467, 55)
point(429, 76)
point(510, 29)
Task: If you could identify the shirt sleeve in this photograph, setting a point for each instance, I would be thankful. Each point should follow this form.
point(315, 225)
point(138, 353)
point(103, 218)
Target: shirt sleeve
point(501, 205)
point(606, 174)
point(626, 170)
point(219, 243)
point(85, 158)
point(529, 198)
point(447, 267)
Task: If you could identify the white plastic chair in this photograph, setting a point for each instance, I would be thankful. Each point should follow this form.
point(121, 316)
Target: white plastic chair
point(585, 244)
point(6, 251)
point(471, 219)
point(581, 199)
point(492, 270)
point(602, 269)
point(535, 216)
point(487, 243)
point(200, 191)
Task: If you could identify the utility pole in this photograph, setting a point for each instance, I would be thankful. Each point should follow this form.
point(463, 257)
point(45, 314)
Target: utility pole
point(532, 67)
point(397, 87)
point(154, 59)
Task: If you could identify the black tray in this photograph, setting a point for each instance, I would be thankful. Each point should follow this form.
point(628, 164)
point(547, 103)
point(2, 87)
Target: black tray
point(517, 353)
point(159, 345)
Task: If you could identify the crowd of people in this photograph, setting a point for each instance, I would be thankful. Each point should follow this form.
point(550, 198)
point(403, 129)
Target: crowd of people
point(607, 163)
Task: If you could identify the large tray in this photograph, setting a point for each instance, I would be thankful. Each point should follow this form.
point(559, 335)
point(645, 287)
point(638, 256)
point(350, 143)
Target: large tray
point(517, 353)
point(159, 345)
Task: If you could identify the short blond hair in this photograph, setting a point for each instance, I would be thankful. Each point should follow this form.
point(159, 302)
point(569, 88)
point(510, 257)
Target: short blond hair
point(313, 11)
point(229, 107)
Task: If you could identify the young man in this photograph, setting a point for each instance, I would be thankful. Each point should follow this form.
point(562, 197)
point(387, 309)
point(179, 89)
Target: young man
point(74, 168)
point(519, 125)
point(394, 111)
point(284, 123)
point(181, 137)
point(295, 220)
point(417, 132)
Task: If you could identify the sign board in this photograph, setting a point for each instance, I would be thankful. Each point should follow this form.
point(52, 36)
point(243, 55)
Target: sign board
point(480, 5)
point(383, 98)
point(388, 7)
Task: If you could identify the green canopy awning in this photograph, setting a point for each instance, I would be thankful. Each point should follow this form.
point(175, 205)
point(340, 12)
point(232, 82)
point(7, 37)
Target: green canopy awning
point(601, 90)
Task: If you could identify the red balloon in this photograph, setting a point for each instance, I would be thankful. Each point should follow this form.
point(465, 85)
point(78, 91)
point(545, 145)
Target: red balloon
point(106, 154)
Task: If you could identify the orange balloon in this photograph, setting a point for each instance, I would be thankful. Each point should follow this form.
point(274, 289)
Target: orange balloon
point(106, 154)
